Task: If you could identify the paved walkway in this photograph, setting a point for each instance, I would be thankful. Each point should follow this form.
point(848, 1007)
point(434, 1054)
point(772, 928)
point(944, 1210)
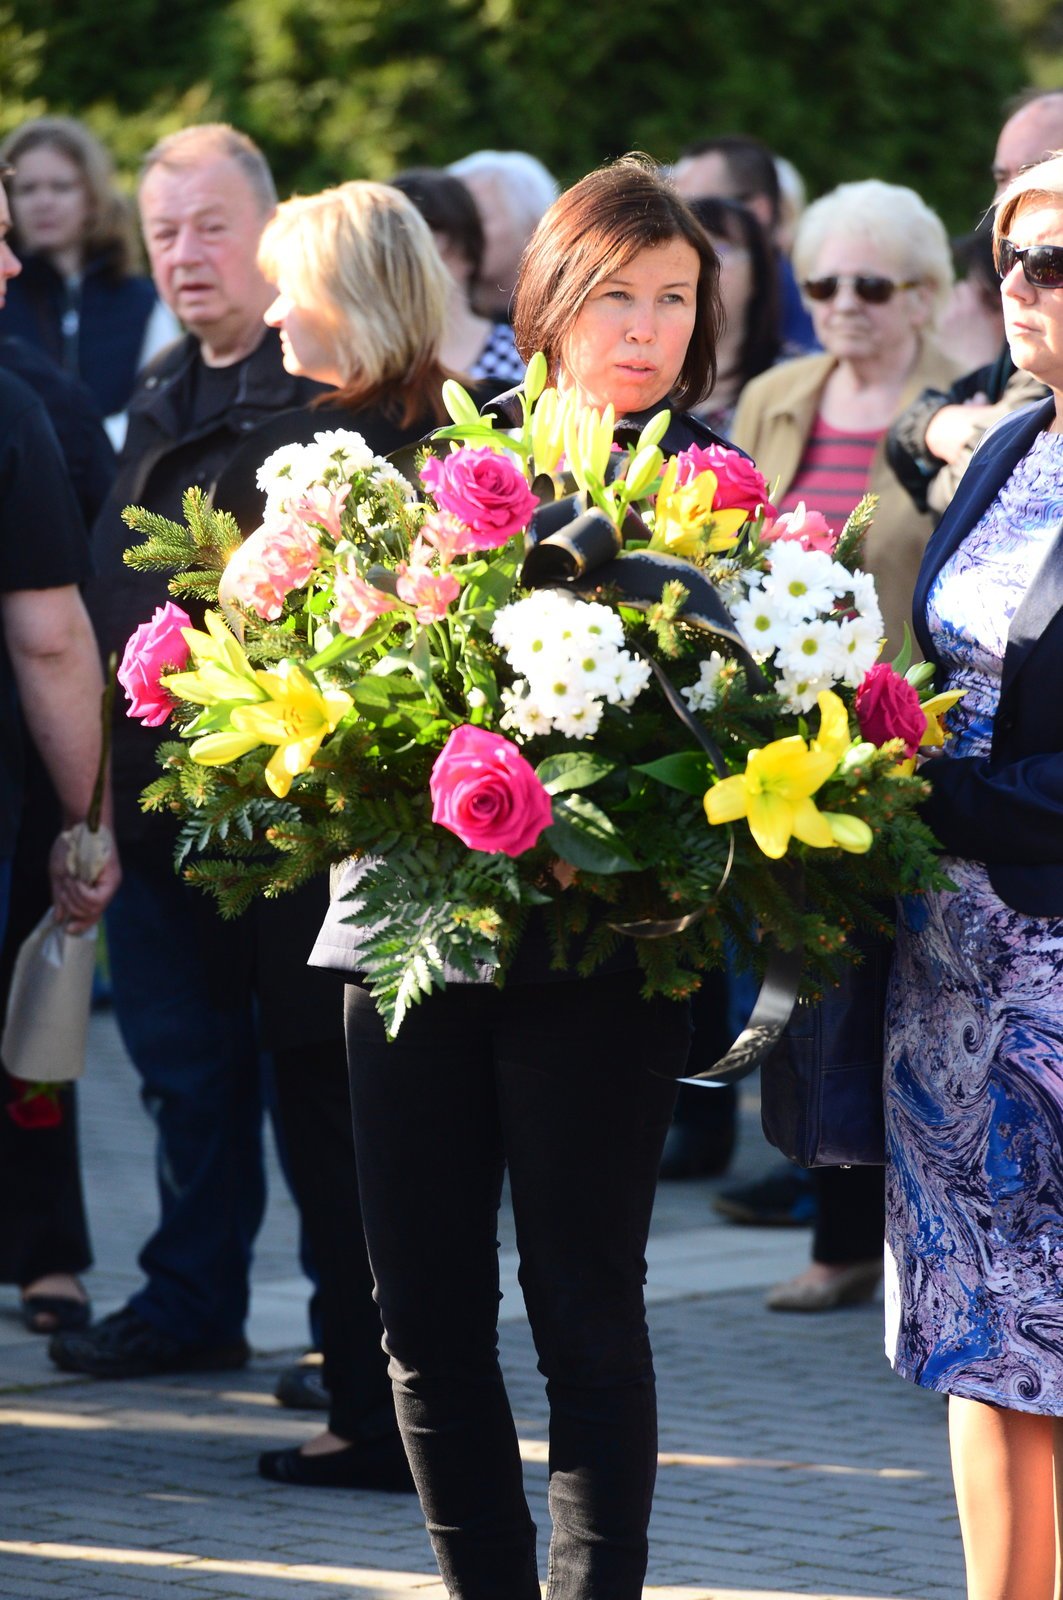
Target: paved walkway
point(792, 1461)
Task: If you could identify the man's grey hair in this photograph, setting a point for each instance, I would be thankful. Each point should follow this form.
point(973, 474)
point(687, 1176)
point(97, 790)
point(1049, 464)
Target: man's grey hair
point(531, 188)
point(215, 141)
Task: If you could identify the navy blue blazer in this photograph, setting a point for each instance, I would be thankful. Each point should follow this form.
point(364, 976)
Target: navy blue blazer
point(1006, 809)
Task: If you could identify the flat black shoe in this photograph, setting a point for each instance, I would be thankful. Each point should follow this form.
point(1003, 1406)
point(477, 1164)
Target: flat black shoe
point(301, 1387)
point(54, 1313)
point(123, 1345)
point(372, 1464)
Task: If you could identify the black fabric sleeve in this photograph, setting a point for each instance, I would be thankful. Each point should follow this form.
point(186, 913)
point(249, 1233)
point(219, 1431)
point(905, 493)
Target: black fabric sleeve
point(43, 542)
point(1013, 815)
point(906, 450)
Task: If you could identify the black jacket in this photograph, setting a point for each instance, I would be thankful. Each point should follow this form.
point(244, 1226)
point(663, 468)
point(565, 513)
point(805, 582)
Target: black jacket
point(89, 455)
point(1006, 809)
point(164, 454)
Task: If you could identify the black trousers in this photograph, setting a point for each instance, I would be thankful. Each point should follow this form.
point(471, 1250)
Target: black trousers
point(314, 1106)
point(551, 1080)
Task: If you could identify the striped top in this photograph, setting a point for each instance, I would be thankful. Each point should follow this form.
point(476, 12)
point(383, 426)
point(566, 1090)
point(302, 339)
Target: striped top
point(834, 472)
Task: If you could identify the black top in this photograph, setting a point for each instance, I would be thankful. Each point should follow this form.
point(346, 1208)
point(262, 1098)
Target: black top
point(43, 545)
point(87, 451)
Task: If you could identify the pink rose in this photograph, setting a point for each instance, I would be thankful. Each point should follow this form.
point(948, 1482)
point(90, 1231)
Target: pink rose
point(809, 529)
point(887, 707)
point(484, 791)
point(155, 645)
point(740, 487)
point(484, 489)
point(358, 604)
point(429, 593)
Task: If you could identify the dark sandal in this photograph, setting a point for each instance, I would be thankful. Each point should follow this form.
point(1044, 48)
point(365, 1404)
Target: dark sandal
point(54, 1313)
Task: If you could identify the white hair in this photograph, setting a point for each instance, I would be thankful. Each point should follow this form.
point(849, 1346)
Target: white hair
point(894, 218)
point(530, 187)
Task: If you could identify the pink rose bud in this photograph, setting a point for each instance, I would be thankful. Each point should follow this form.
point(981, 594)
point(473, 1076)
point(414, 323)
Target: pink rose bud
point(739, 485)
point(887, 707)
point(484, 489)
point(155, 646)
point(486, 792)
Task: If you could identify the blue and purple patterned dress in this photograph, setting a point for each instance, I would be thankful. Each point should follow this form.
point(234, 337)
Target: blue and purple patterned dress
point(974, 1074)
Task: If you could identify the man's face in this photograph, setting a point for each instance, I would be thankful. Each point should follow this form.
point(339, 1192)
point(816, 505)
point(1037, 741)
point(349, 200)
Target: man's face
point(202, 225)
point(708, 175)
point(1032, 133)
point(10, 265)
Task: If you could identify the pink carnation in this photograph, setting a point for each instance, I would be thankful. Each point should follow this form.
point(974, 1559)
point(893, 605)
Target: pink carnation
point(739, 486)
point(486, 792)
point(358, 604)
point(155, 645)
point(809, 529)
point(887, 707)
point(484, 489)
point(429, 593)
point(274, 560)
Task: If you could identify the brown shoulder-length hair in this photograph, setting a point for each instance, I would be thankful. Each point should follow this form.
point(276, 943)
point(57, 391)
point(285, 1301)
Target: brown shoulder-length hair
point(110, 232)
point(590, 233)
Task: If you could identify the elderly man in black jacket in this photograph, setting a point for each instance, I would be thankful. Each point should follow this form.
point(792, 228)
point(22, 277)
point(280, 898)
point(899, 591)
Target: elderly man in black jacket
point(191, 994)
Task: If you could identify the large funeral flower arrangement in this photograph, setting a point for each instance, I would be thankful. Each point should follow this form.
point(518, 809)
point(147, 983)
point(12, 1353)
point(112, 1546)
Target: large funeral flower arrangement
point(389, 669)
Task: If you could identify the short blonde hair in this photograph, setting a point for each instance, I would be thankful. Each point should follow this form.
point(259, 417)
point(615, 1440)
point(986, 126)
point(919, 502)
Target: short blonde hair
point(363, 254)
point(894, 218)
point(1040, 184)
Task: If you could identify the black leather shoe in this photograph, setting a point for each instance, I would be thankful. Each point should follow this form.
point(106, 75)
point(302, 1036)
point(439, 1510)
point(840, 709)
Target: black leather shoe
point(123, 1345)
point(301, 1387)
point(367, 1464)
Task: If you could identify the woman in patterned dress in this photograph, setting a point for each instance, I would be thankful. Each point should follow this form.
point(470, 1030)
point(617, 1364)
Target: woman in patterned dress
point(974, 1087)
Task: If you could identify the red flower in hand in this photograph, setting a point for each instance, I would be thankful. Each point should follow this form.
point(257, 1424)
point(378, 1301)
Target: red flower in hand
point(35, 1105)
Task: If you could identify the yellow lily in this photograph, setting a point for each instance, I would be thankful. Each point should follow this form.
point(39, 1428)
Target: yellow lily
point(774, 795)
point(834, 737)
point(682, 515)
point(296, 716)
point(589, 443)
point(215, 749)
point(223, 671)
point(850, 833)
point(933, 710)
point(548, 424)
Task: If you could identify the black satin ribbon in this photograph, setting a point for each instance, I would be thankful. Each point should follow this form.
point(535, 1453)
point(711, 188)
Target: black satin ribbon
point(571, 547)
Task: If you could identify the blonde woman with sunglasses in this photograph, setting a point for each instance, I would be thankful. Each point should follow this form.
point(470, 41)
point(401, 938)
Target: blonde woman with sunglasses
point(875, 269)
point(974, 1085)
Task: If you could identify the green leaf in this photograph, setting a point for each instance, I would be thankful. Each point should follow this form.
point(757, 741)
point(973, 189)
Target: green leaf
point(583, 836)
point(902, 660)
point(577, 770)
point(687, 770)
point(343, 645)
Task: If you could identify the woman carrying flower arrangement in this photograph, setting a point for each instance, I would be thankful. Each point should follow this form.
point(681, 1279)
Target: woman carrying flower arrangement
point(553, 1076)
point(500, 707)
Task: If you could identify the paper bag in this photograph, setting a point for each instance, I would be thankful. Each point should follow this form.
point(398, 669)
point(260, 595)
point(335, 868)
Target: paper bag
point(47, 1018)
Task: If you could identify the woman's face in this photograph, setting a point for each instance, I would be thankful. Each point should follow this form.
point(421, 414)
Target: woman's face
point(852, 328)
point(628, 343)
point(1033, 318)
point(308, 340)
point(49, 201)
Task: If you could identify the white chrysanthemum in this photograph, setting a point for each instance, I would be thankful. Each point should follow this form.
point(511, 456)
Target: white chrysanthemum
point(522, 714)
point(758, 622)
point(703, 695)
point(859, 643)
point(801, 582)
point(799, 690)
point(570, 652)
point(347, 449)
point(813, 649)
point(385, 472)
point(281, 474)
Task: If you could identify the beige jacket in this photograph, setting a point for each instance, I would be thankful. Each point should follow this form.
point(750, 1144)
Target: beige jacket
point(773, 422)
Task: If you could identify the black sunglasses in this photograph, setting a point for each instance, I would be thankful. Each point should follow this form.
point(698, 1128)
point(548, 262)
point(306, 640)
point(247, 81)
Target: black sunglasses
point(1042, 264)
point(874, 290)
